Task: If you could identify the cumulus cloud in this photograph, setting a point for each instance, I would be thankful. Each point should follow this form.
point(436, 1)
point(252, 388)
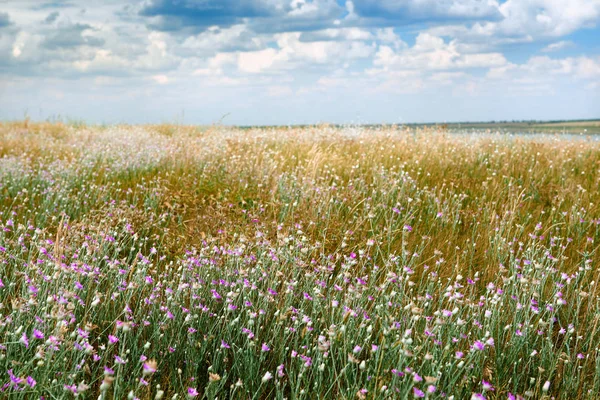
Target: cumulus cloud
point(556, 46)
point(525, 21)
point(433, 53)
point(546, 17)
point(71, 35)
point(542, 72)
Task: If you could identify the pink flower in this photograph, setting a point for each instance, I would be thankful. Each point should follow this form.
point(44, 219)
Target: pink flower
point(487, 386)
point(418, 393)
point(478, 345)
point(38, 334)
point(31, 382)
point(112, 339)
point(149, 367)
point(265, 348)
point(25, 341)
point(280, 371)
point(192, 392)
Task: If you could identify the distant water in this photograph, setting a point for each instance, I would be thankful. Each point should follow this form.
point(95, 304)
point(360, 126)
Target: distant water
point(526, 135)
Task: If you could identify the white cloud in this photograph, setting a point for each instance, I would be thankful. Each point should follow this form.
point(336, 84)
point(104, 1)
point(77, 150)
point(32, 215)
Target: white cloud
point(547, 17)
point(556, 46)
point(432, 53)
point(543, 72)
point(258, 61)
point(291, 53)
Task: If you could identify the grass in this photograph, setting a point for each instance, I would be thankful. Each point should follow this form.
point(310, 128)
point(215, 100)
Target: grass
point(315, 262)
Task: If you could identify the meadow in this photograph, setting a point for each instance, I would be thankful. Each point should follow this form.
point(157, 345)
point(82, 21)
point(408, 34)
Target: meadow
point(172, 261)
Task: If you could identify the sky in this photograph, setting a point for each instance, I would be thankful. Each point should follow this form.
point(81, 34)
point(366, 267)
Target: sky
point(265, 62)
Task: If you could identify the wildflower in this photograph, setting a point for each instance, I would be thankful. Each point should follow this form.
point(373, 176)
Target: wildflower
point(192, 392)
point(38, 334)
point(418, 393)
point(108, 371)
point(72, 388)
point(212, 377)
point(30, 382)
point(357, 349)
point(265, 348)
point(478, 345)
point(24, 340)
point(408, 228)
point(307, 360)
point(224, 345)
point(280, 371)
point(112, 339)
point(267, 376)
point(14, 380)
point(362, 393)
point(149, 367)
point(487, 386)
point(546, 387)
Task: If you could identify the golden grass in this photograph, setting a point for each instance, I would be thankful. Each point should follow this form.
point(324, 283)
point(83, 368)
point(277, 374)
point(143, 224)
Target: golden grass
point(333, 181)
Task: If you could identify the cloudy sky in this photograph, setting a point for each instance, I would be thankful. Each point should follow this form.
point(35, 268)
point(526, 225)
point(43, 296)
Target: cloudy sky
point(299, 61)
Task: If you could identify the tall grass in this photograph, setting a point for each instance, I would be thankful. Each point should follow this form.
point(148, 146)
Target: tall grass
point(162, 261)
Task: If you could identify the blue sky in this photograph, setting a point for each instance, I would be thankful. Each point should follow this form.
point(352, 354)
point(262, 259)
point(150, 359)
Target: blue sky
point(299, 61)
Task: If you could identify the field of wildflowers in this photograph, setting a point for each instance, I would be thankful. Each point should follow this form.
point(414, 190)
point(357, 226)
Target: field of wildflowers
point(171, 262)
